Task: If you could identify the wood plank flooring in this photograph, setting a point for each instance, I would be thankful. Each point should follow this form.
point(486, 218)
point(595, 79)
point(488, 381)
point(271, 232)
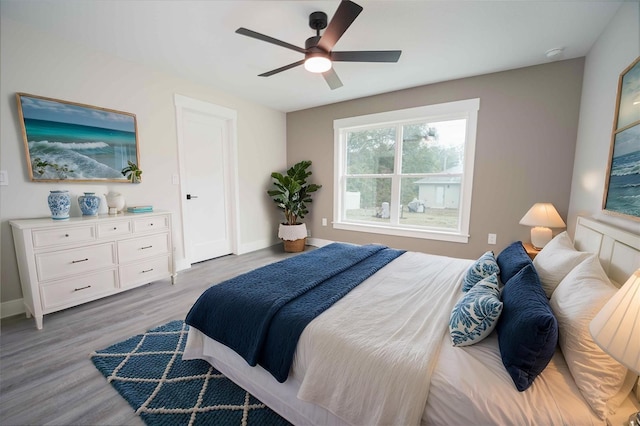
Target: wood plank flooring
point(47, 377)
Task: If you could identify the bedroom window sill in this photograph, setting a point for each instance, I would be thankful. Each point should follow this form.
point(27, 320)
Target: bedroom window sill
point(450, 236)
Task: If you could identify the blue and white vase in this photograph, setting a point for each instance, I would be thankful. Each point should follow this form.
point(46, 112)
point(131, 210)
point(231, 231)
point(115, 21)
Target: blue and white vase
point(59, 204)
point(89, 203)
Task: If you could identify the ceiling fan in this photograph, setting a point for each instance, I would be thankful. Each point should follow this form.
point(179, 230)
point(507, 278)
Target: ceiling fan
point(318, 56)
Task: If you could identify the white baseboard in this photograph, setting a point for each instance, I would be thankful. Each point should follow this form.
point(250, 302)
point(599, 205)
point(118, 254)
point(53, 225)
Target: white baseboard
point(11, 308)
point(318, 242)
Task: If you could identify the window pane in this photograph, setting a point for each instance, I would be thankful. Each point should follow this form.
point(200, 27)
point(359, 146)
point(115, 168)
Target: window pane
point(367, 199)
point(371, 151)
point(433, 147)
point(431, 202)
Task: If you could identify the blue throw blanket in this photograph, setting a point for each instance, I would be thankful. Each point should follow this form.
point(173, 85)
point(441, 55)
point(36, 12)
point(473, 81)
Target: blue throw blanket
point(262, 313)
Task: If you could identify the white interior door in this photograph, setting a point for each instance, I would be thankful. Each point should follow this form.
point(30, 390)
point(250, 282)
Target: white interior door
point(205, 136)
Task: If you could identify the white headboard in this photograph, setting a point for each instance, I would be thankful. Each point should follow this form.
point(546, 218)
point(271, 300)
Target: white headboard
point(618, 250)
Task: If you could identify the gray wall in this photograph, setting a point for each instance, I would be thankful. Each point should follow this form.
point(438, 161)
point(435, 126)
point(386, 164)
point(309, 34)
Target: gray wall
point(526, 136)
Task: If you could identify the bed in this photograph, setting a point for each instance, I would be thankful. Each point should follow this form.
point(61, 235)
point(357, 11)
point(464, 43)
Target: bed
point(383, 353)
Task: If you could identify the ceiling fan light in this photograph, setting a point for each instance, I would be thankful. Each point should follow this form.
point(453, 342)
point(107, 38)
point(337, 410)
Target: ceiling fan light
point(317, 64)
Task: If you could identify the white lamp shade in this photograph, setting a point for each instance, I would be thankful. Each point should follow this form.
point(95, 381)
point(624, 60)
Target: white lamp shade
point(542, 216)
point(616, 328)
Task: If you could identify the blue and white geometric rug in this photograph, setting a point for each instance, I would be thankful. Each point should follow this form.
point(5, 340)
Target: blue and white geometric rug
point(148, 371)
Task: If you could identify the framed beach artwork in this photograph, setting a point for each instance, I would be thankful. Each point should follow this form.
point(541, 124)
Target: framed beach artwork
point(75, 142)
point(622, 187)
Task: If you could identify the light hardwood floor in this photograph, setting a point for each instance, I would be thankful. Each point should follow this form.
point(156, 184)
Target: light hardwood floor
point(47, 377)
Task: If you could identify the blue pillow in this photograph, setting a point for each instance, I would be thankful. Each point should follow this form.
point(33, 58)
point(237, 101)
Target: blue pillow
point(527, 329)
point(511, 260)
point(481, 269)
point(475, 315)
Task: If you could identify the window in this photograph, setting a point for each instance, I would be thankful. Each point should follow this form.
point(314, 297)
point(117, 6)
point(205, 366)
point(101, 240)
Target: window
point(407, 172)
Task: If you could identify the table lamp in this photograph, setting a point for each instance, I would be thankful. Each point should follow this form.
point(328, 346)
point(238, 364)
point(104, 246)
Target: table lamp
point(541, 217)
point(616, 328)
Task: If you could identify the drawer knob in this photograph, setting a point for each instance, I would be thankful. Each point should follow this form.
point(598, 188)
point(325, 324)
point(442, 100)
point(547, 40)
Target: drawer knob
point(148, 270)
point(78, 261)
point(115, 228)
point(66, 235)
point(82, 288)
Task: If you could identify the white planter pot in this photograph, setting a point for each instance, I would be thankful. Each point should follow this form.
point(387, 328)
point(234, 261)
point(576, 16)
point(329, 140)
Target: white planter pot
point(292, 232)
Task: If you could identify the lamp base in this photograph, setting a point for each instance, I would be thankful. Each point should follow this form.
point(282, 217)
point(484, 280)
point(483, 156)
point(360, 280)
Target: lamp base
point(540, 236)
point(634, 419)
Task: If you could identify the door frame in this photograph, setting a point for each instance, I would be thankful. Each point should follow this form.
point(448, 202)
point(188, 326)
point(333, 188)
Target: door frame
point(230, 116)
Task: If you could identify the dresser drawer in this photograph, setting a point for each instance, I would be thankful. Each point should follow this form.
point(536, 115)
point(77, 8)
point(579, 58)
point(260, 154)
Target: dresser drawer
point(63, 235)
point(145, 271)
point(153, 223)
point(113, 229)
point(70, 292)
point(140, 248)
point(74, 261)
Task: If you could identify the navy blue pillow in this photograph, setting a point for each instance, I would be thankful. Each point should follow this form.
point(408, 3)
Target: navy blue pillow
point(527, 328)
point(511, 260)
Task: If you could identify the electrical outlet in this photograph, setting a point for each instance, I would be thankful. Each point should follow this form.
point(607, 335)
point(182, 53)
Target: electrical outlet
point(324, 221)
point(308, 233)
point(492, 239)
point(4, 178)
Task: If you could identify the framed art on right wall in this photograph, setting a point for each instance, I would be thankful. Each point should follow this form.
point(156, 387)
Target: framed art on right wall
point(622, 186)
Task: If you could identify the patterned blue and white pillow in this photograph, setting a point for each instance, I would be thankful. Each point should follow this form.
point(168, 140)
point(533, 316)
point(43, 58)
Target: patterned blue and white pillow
point(481, 269)
point(475, 315)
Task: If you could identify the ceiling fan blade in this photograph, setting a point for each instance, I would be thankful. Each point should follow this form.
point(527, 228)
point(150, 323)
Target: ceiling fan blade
point(253, 34)
point(367, 56)
point(346, 13)
point(332, 79)
point(277, 70)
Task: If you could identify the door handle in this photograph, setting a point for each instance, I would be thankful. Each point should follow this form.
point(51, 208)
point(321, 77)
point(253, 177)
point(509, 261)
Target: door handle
point(189, 196)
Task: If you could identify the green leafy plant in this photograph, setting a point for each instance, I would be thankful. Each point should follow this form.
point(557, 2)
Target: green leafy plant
point(292, 191)
point(132, 172)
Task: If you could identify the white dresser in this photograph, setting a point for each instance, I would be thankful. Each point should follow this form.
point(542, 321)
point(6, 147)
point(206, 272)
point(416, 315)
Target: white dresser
point(64, 263)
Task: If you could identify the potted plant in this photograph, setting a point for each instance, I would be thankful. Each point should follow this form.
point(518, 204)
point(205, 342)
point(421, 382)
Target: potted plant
point(132, 172)
point(291, 194)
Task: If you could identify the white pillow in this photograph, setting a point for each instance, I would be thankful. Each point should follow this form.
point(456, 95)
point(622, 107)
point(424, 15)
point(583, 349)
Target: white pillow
point(578, 298)
point(556, 260)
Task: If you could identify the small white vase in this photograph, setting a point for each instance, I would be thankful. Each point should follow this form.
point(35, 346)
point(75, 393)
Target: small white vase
point(115, 202)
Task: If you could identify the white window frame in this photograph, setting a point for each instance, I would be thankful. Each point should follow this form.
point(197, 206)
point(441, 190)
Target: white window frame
point(467, 109)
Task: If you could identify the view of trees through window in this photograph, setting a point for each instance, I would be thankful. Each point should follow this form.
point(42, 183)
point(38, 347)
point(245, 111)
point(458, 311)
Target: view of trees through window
point(405, 174)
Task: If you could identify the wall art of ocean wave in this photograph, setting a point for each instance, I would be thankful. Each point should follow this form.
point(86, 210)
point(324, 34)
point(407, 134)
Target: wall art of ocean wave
point(623, 195)
point(72, 151)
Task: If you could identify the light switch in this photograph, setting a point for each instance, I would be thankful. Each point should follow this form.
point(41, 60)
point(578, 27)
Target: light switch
point(4, 178)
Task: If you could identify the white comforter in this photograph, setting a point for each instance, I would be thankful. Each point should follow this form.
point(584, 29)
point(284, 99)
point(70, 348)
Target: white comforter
point(468, 385)
point(369, 359)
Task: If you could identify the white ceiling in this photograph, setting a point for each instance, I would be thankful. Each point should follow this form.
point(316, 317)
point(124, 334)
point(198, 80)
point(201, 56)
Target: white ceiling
point(440, 40)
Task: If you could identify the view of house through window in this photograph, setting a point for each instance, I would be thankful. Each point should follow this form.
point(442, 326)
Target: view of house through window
point(406, 174)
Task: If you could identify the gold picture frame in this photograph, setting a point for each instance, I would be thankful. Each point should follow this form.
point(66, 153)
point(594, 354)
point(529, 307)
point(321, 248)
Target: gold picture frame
point(69, 141)
point(622, 185)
